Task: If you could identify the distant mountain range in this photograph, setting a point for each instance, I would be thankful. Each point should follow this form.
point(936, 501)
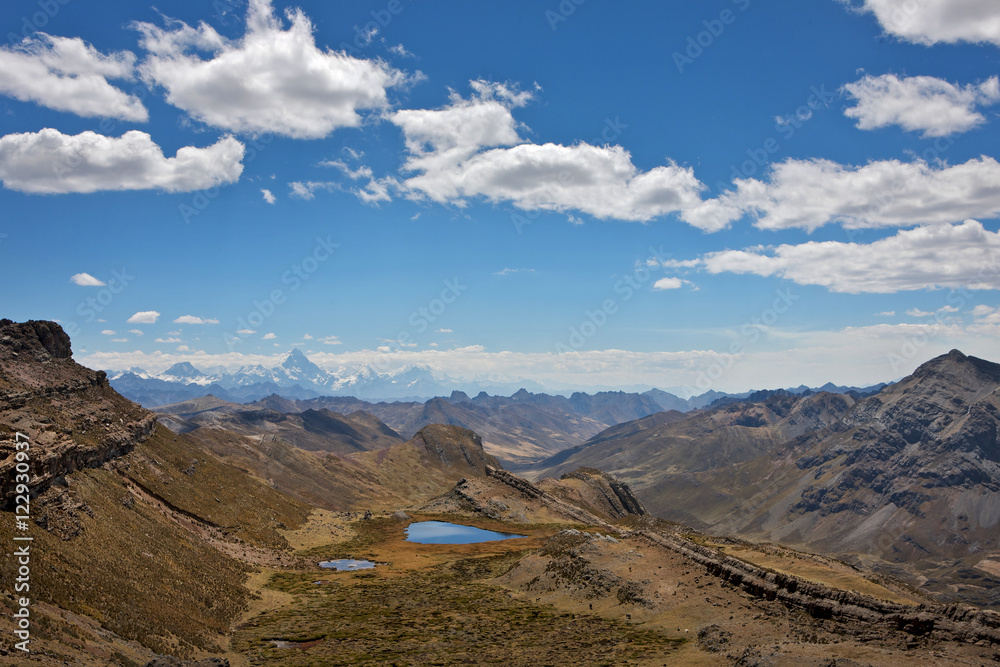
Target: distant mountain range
point(298, 378)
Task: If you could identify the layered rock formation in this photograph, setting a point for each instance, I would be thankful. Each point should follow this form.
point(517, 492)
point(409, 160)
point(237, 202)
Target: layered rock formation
point(71, 416)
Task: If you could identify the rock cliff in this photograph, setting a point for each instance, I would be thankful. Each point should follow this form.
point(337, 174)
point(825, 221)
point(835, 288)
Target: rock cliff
point(71, 416)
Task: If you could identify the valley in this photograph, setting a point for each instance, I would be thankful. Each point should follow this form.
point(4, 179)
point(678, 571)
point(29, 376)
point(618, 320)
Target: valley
point(730, 534)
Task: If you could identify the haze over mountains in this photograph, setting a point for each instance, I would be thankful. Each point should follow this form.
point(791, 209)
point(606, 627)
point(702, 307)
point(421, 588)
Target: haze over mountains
point(297, 377)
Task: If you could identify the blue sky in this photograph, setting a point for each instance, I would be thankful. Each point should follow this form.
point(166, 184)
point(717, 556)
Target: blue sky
point(716, 195)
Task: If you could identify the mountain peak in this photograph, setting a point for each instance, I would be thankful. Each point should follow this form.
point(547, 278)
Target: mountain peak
point(295, 354)
point(297, 360)
point(183, 369)
point(957, 365)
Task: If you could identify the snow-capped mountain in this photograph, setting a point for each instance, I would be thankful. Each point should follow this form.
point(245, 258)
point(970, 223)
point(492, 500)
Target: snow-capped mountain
point(295, 377)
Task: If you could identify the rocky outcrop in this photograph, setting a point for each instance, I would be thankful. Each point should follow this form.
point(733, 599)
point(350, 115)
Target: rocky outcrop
point(502, 496)
point(169, 661)
point(36, 338)
point(71, 417)
point(608, 495)
point(951, 622)
point(453, 446)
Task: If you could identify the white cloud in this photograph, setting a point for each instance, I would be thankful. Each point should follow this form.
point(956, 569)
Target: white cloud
point(986, 320)
point(269, 80)
point(67, 74)
point(183, 348)
point(119, 340)
point(509, 271)
point(982, 311)
point(353, 174)
point(916, 312)
point(331, 340)
point(269, 336)
point(931, 21)
point(886, 313)
point(51, 162)
point(443, 331)
point(889, 193)
point(306, 337)
point(471, 149)
point(813, 358)
point(86, 280)
point(246, 332)
point(168, 340)
point(136, 332)
point(377, 190)
point(919, 103)
point(107, 332)
point(956, 256)
point(144, 317)
point(306, 189)
point(192, 319)
point(669, 283)
point(268, 196)
point(400, 51)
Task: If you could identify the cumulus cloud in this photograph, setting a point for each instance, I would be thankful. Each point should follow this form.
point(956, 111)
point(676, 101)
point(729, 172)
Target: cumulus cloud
point(86, 280)
point(137, 332)
point(471, 149)
point(330, 340)
point(669, 283)
point(144, 317)
point(935, 256)
point(50, 162)
point(108, 332)
point(170, 340)
point(269, 336)
point(932, 21)
point(67, 74)
point(919, 103)
point(271, 79)
point(193, 319)
point(889, 193)
point(268, 196)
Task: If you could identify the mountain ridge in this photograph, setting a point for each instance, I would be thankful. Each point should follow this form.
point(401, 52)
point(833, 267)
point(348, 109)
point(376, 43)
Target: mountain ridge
point(906, 481)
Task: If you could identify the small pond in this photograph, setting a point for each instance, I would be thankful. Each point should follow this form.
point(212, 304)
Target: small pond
point(343, 564)
point(441, 532)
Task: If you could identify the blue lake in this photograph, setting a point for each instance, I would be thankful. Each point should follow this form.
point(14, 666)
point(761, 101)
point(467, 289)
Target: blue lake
point(442, 532)
point(347, 564)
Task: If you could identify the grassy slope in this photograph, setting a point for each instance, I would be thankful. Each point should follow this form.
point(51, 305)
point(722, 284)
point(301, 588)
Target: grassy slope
point(134, 567)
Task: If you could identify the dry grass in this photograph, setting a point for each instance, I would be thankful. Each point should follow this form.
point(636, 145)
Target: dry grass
point(430, 604)
point(816, 569)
